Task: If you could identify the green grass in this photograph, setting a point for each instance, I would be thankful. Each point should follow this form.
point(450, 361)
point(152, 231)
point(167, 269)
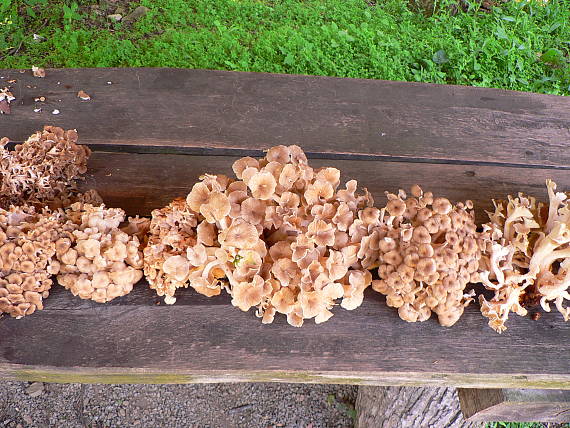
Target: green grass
point(516, 425)
point(520, 45)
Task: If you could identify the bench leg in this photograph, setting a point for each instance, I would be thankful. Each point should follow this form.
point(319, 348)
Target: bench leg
point(406, 407)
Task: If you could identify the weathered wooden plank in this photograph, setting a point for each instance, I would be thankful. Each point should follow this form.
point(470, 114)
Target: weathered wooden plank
point(142, 182)
point(515, 405)
point(201, 111)
point(201, 340)
point(133, 339)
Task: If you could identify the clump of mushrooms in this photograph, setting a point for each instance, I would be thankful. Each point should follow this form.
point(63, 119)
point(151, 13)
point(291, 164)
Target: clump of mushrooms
point(427, 253)
point(172, 231)
point(95, 259)
point(526, 258)
point(73, 236)
point(195, 241)
point(281, 238)
point(27, 245)
point(312, 231)
point(43, 170)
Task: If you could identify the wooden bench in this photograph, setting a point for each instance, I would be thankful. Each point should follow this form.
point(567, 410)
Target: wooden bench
point(154, 131)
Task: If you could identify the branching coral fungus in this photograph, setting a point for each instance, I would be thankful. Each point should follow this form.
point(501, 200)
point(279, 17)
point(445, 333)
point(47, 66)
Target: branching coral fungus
point(283, 237)
point(42, 170)
point(427, 253)
point(526, 256)
point(95, 259)
point(27, 245)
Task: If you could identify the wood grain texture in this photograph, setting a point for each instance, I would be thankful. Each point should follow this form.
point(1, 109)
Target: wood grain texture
point(515, 405)
point(405, 407)
point(198, 339)
point(201, 111)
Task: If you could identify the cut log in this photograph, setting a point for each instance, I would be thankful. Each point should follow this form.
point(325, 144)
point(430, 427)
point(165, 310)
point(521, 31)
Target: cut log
point(515, 405)
point(395, 407)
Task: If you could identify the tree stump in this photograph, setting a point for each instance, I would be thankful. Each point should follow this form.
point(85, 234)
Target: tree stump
point(405, 407)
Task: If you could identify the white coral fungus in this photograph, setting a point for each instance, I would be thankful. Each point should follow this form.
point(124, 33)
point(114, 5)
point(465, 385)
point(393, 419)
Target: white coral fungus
point(526, 257)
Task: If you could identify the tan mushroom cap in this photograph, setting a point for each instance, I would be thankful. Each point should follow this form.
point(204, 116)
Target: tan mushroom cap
point(241, 164)
point(216, 207)
point(278, 154)
point(396, 207)
point(248, 294)
point(262, 185)
point(198, 196)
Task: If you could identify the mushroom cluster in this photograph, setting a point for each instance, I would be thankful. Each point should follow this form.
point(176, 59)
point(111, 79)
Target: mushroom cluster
point(43, 169)
point(48, 228)
point(283, 238)
point(27, 245)
point(526, 257)
point(95, 259)
point(280, 237)
point(173, 230)
point(427, 252)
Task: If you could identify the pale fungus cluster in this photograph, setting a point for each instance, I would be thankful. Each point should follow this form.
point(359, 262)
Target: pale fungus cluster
point(427, 254)
point(526, 256)
point(282, 238)
point(95, 259)
point(27, 247)
point(48, 228)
